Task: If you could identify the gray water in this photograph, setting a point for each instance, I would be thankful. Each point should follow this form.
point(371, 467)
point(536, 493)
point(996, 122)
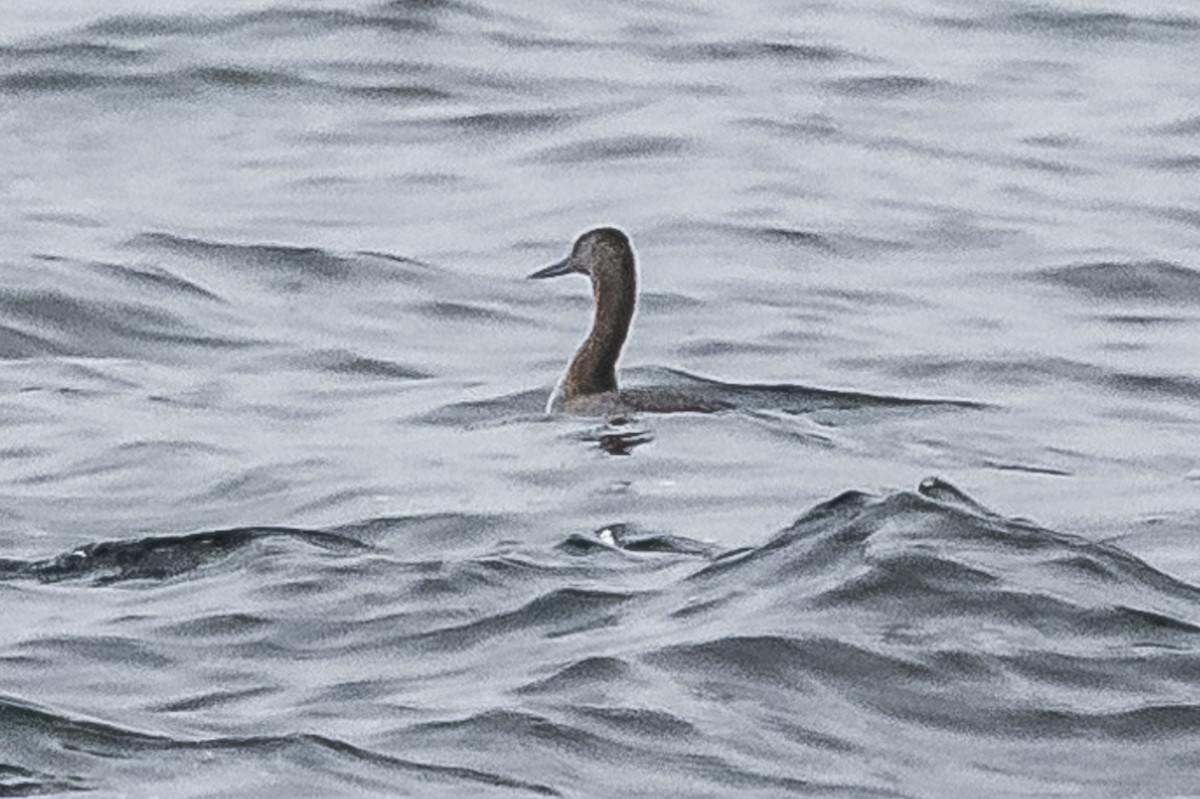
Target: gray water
point(280, 514)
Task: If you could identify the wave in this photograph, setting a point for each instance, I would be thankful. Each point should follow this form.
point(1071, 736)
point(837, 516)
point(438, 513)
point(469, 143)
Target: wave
point(1025, 372)
point(53, 81)
point(394, 17)
point(679, 391)
point(298, 263)
point(19, 344)
point(199, 79)
point(781, 661)
point(614, 148)
point(604, 747)
point(125, 53)
point(49, 322)
point(93, 66)
point(105, 747)
point(510, 123)
point(73, 51)
point(288, 267)
point(160, 557)
point(156, 278)
point(658, 389)
point(562, 612)
point(1185, 164)
point(785, 52)
point(839, 244)
point(912, 612)
point(582, 674)
point(345, 363)
point(435, 534)
point(523, 404)
point(885, 86)
point(892, 598)
point(630, 538)
point(812, 126)
point(936, 554)
point(1187, 126)
point(1123, 281)
point(18, 781)
point(471, 313)
point(926, 554)
point(1078, 24)
point(1179, 214)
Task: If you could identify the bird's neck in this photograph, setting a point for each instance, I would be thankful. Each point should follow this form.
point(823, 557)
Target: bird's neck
point(593, 370)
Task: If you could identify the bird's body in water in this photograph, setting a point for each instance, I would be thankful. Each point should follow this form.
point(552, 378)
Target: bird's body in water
point(589, 386)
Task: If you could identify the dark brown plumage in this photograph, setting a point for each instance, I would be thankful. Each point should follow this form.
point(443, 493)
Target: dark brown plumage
point(589, 386)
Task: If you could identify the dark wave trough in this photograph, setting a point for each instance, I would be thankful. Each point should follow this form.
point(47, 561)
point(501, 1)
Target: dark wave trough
point(915, 612)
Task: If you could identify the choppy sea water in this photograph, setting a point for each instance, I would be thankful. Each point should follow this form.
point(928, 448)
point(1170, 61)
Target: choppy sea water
point(280, 514)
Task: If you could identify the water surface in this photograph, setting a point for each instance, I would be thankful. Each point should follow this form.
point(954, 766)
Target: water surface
point(280, 514)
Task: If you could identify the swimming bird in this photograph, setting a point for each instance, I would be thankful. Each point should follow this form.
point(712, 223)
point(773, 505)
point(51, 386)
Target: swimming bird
point(589, 386)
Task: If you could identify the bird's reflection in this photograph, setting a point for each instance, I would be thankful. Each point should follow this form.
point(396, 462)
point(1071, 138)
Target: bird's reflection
point(617, 437)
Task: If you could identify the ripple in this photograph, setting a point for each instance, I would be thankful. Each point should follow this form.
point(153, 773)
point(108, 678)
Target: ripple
point(349, 364)
point(165, 557)
point(816, 126)
point(1184, 216)
point(1078, 24)
point(786, 662)
point(446, 311)
point(212, 699)
point(51, 81)
point(585, 673)
point(18, 781)
point(1037, 371)
point(667, 302)
point(510, 123)
point(390, 18)
point(155, 277)
point(613, 149)
point(209, 79)
point(754, 50)
point(1119, 281)
point(110, 649)
point(793, 237)
point(220, 625)
point(839, 244)
point(711, 348)
point(567, 611)
point(287, 267)
point(884, 86)
point(51, 323)
point(75, 51)
point(1181, 163)
point(1188, 126)
point(340, 764)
